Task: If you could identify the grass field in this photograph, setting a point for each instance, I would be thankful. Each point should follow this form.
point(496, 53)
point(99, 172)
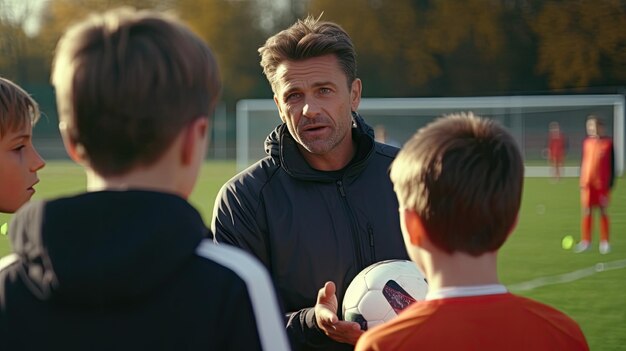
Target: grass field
point(589, 287)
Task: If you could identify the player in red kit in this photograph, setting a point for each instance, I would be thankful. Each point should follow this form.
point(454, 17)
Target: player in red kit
point(557, 145)
point(597, 172)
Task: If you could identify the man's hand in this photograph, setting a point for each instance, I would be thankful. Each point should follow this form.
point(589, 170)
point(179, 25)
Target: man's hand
point(327, 320)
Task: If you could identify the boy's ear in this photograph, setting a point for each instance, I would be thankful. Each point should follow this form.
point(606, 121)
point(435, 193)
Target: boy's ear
point(513, 225)
point(74, 150)
point(193, 134)
point(414, 227)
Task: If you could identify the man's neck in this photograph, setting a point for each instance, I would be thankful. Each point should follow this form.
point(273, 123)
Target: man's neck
point(332, 161)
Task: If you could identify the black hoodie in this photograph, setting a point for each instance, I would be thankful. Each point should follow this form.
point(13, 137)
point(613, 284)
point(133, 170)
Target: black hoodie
point(309, 226)
point(128, 270)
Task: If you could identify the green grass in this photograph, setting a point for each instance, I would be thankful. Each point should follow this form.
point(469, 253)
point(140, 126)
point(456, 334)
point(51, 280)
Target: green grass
point(61, 178)
point(597, 302)
point(549, 212)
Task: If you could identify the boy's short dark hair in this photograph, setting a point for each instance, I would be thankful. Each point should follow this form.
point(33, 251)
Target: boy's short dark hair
point(463, 176)
point(17, 108)
point(127, 82)
point(306, 39)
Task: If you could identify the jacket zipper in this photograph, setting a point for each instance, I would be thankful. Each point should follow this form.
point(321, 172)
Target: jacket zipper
point(370, 232)
point(355, 232)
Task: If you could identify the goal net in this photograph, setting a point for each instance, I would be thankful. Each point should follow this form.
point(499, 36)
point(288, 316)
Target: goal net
point(526, 117)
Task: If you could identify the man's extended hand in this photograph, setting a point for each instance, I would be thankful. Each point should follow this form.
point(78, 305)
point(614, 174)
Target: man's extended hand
point(327, 320)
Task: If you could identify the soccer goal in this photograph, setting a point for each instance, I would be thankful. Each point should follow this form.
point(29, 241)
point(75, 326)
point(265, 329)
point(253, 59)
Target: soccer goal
point(526, 117)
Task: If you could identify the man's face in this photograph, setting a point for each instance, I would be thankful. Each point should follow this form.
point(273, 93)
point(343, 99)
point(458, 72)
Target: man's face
point(19, 163)
point(314, 100)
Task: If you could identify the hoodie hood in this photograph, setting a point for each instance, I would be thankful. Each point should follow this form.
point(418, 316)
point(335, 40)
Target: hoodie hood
point(104, 247)
point(283, 148)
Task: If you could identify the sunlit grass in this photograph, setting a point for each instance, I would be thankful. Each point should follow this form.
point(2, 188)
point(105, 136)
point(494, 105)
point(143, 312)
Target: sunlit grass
point(549, 211)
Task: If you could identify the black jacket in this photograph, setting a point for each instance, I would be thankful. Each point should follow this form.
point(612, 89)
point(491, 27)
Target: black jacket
point(309, 226)
point(129, 271)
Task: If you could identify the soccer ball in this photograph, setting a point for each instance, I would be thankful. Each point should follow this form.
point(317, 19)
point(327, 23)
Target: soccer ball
point(379, 292)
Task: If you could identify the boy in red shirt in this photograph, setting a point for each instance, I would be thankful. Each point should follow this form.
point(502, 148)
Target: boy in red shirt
point(597, 172)
point(459, 185)
point(557, 145)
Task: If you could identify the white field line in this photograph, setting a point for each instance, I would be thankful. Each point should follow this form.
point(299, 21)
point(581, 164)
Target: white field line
point(567, 277)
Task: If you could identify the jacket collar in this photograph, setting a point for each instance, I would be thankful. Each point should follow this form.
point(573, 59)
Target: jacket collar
point(282, 147)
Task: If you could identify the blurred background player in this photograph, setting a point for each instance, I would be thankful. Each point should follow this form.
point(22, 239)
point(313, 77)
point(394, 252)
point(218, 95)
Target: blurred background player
point(597, 174)
point(459, 183)
point(381, 136)
point(557, 147)
point(320, 206)
point(126, 266)
point(19, 161)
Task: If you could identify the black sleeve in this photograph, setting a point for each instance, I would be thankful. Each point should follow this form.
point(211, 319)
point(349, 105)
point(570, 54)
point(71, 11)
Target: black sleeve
point(234, 220)
point(255, 333)
point(247, 312)
point(237, 214)
point(304, 334)
point(244, 332)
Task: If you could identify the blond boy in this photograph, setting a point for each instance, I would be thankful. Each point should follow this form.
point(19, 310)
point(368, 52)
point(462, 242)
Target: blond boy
point(19, 161)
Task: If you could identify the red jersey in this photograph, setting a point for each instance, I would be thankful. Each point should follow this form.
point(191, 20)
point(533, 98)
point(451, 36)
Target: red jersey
point(556, 146)
point(486, 322)
point(597, 167)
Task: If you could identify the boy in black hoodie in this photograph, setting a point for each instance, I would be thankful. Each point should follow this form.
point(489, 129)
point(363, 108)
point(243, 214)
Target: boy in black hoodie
point(124, 266)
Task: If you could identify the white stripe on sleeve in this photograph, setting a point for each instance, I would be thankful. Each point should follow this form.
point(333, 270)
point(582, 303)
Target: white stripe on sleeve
point(8, 260)
point(270, 325)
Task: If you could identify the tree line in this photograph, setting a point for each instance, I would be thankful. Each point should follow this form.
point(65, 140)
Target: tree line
point(406, 48)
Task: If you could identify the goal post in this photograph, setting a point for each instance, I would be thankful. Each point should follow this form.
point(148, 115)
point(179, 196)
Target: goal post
point(526, 117)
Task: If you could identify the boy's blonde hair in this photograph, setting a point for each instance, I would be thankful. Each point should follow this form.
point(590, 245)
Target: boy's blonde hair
point(17, 108)
point(463, 176)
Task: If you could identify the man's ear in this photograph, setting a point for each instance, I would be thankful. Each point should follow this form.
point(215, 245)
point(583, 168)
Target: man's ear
point(414, 227)
point(280, 110)
point(193, 135)
point(355, 94)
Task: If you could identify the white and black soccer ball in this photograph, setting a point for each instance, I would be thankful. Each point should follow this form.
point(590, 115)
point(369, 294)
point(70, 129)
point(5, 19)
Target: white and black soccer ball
point(379, 292)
